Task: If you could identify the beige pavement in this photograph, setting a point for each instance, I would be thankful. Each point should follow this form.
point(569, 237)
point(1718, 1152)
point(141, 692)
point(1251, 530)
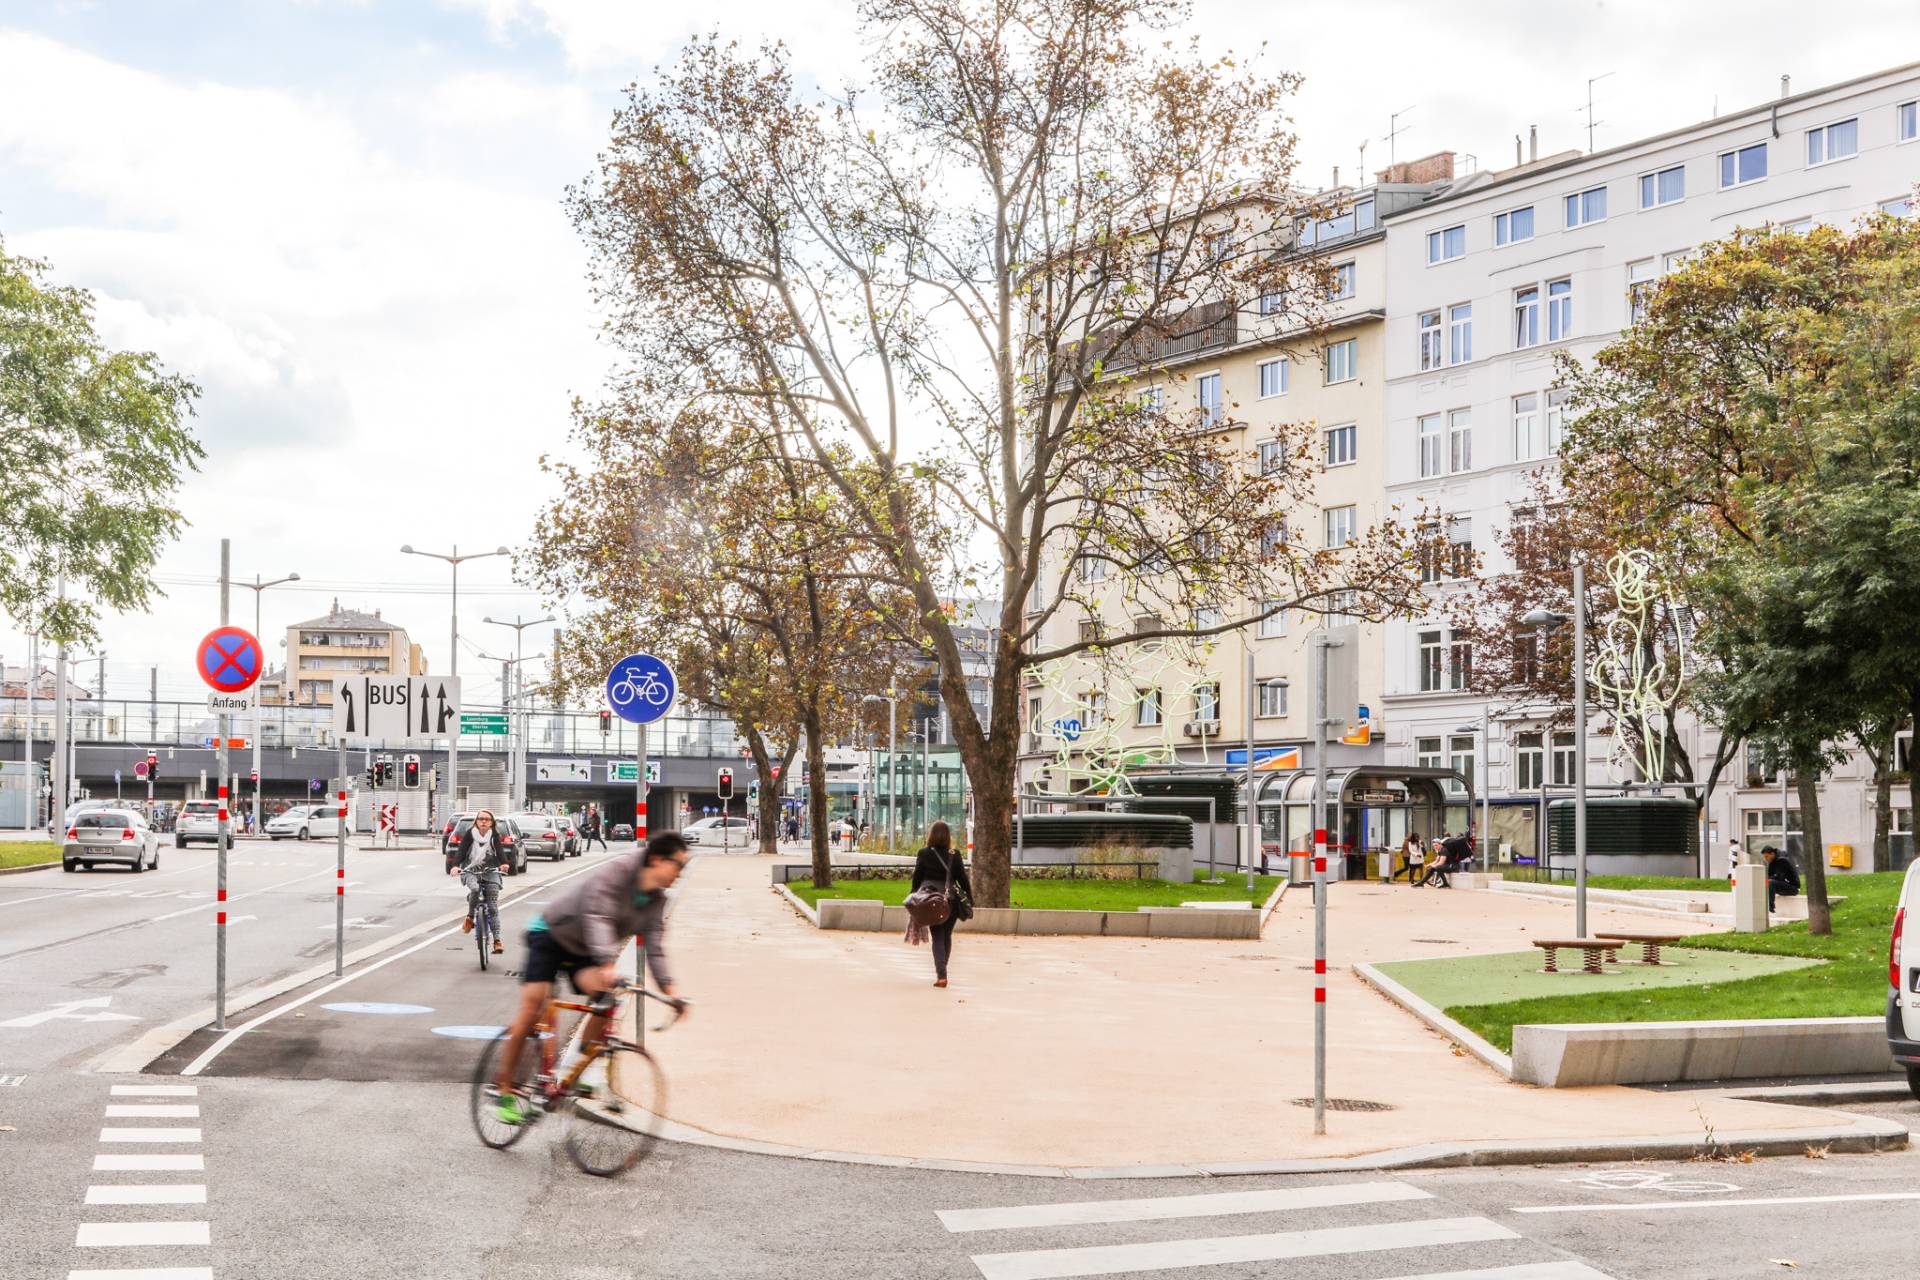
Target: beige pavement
point(1109, 1051)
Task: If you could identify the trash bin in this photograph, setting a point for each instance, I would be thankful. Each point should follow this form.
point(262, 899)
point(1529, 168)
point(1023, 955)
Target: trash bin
point(1841, 856)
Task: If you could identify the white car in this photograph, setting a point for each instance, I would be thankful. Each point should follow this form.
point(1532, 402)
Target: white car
point(199, 820)
point(95, 836)
point(305, 822)
point(1903, 981)
point(713, 832)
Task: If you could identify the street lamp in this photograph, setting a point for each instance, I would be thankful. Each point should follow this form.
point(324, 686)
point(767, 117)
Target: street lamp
point(1551, 618)
point(520, 685)
point(454, 558)
point(1485, 781)
point(257, 587)
point(893, 760)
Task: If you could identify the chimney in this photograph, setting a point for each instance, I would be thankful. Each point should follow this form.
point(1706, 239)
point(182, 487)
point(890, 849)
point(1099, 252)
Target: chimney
point(1336, 177)
point(1533, 143)
point(1437, 167)
point(1516, 150)
point(376, 613)
point(1785, 81)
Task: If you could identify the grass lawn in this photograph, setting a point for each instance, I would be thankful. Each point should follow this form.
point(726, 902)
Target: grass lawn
point(1851, 982)
point(27, 853)
point(1067, 895)
point(1633, 882)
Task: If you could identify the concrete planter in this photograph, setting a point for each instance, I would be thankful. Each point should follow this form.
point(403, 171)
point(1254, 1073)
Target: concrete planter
point(873, 916)
point(1572, 1054)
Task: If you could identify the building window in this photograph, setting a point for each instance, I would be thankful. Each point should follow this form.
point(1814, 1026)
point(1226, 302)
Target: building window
point(1586, 206)
point(1833, 142)
point(1526, 658)
point(1763, 828)
point(1460, 440)
point(1445, 246)
point(1343, 282)
point(1154, 400)
point(1149, 622)
point(1459, 547)
point(1273, 378)
point(1556, 417)
point(1432, 667)
point(1273, 698)
point(1269, 302)
point(1206, 617)
point(1640, 285)
point(1095, 704)
point(1432, 459)
point(1210, 404)
point(1907, 118)
point(1206, 702)
point(1763, 769)
point(1427, 752)
point(1431, 352)
point(1460, 758)
point(1748, 164)
point(1563, 758)
point(1343, 445)
point(1459, 664)
point(1900, 208)
point(1093, 569)
point(1273, 623)
point(1528, 442)
point(1342, 358)
point(1273, 457)
point(1460, 333)
point(1663, 187)
point(1513, 227)
point(1559, 310)
point(1089, 631)
point(1339, 526)
point(1273, 537)
point(1147, 707)
point(1530, 761)
point(1526, 317)
point(1431, 558)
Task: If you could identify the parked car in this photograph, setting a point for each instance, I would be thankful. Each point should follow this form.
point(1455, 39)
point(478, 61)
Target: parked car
point(714, 832)
point(622, 831)
point(304, 822)
point(199, 820)
point(513, 839)
point(1903, 977)
point(571, 837)
point(542, 834)
point(110, 835)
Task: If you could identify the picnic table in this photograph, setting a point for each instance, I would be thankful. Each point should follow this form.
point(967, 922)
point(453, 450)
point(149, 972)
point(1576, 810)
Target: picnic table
point(1596, 952)
point(1650, 943)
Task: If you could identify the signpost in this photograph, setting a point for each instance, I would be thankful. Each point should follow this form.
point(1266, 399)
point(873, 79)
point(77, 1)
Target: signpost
point(228, 659)
point(492, 723)
point(640, 689)
point(563, 771)
point(629, 771)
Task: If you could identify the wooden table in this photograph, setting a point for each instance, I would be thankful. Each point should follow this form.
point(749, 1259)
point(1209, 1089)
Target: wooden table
point(1596, 952)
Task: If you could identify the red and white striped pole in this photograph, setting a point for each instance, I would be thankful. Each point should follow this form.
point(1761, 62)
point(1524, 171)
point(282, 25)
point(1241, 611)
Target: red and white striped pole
point(340, 874)
point(1320, 979)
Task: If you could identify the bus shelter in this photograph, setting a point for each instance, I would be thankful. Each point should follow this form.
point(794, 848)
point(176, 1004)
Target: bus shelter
point(1374, 807)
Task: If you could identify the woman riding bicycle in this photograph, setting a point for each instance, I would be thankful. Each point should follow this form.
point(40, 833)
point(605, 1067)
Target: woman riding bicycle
point(478, 859)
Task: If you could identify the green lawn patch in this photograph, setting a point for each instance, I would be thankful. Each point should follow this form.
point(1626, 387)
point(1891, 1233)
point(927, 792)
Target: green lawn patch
point(1066, 895)
point(1851, 982)
point(27, 853)
point(1515, 975)
point(1689, 883)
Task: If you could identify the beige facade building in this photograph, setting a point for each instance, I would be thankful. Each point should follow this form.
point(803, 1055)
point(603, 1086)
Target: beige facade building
point(343, 642)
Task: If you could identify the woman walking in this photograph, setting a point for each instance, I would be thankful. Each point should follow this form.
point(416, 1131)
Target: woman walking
point(1416, 853)
point(940, 867)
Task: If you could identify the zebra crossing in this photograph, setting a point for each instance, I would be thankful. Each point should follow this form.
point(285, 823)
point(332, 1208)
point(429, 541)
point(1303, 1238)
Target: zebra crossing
point(127, 1240)
point(1378, 1240)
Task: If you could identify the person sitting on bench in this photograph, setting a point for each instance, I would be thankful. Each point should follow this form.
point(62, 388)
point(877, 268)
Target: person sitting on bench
point(1454, 853)
point(1783, 878)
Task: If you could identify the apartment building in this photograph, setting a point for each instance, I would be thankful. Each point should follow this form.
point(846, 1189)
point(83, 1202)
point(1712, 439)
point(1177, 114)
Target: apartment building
point(1186, 703)
point(1500, 272)
point(342, 642)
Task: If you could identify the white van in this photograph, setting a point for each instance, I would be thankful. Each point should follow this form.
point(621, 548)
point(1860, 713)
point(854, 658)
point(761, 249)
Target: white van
point(1903, 979)
point(306, 822)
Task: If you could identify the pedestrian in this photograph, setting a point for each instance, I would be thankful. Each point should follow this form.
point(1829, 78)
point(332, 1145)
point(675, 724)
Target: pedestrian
point(1733, 859)
point(1451, 854)
point(938, 865)
point(594, 830)
point(1783, 878)
point(1415, 852)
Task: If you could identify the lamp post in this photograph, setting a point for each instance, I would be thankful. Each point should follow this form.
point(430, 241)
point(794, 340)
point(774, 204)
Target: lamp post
point(257, 587)
point(454, 558)
point(1549, 618)
point(893, 761)
point(1485, 782)
point(519, 683)
point(510, 684)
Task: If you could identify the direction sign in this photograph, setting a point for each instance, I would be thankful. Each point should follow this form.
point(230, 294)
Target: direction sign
point(640, 688)
point(562, 771)
point(228, 659)
point(494, 722)
point(395, 707)
point(623, 771)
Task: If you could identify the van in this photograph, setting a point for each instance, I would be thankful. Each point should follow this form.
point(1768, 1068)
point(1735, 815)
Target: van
point(1903, 981)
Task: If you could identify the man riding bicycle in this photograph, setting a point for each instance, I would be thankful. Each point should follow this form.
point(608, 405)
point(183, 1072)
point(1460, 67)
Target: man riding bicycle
point(581, 933)
point(478, 859)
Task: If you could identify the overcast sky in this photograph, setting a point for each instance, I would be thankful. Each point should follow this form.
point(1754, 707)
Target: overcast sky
point(343, 218)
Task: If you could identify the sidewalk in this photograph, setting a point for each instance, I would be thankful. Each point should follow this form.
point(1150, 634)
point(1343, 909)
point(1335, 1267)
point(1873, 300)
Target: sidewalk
point(1107, 1051)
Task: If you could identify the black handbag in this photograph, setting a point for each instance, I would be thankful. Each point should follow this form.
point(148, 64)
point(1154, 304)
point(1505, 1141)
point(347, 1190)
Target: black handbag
point(962, 902)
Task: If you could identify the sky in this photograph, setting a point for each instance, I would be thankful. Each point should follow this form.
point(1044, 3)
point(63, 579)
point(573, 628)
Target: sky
point(344, 219)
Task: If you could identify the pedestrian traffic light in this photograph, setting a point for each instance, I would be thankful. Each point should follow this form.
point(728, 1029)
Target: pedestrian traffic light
point(606, 722)
point(253, 776)
point(726, 784)
point(410, 772)
point(153, 765)
point(753, 792)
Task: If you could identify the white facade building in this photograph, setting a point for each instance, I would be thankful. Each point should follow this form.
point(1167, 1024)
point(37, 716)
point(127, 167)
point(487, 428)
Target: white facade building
point(1501, 271)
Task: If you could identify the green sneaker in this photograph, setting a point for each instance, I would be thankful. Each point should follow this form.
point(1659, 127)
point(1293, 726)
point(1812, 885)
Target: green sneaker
point(509, 1111)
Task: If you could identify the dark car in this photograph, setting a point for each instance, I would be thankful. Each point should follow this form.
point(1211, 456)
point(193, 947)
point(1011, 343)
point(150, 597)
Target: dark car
point(622, 831)
point(458, 825)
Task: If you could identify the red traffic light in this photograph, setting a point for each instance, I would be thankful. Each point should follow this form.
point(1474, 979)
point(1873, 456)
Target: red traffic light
point(606, 721)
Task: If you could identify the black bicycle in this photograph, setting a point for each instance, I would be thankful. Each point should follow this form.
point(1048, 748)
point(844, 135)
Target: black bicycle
point(486, 922)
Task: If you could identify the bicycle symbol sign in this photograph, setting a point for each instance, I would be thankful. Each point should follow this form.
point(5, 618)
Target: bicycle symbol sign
point(640, 688)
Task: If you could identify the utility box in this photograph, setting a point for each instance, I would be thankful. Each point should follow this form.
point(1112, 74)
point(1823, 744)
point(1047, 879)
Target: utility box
point(1750, 898)
point(1841, 856)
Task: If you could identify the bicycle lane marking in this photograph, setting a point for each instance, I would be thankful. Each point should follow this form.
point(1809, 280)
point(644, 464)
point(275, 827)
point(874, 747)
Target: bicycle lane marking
point(225, 1042)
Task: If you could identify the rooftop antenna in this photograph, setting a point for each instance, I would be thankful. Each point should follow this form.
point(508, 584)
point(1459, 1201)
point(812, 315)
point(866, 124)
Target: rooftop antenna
point(1394, 131)
point(1591, 122)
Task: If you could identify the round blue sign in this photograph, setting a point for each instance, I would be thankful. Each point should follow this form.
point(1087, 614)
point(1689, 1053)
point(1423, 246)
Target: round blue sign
point(1068, 728)
point(640, 688)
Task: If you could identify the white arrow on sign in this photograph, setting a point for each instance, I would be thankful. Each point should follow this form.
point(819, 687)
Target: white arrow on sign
point(69, 1011)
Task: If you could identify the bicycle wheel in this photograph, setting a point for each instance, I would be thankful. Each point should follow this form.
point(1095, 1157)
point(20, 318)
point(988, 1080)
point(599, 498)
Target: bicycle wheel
point(615, 1132)
point(480, 936)
point(484, 1098)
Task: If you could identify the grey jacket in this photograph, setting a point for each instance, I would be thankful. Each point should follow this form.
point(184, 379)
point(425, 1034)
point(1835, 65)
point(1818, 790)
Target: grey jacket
point(596, 915)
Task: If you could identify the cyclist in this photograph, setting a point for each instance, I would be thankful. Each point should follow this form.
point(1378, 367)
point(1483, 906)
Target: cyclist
point(478, 858)
point(581, 934)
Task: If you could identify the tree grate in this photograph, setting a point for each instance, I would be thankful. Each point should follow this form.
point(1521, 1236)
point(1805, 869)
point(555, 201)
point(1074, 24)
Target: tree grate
point(1348, 1104)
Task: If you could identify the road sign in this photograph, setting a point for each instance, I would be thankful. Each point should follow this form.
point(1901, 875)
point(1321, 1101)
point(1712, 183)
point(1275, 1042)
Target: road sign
point(563, 771)
point(395, 707)
point(116, 777)
point(230, 703)
point(139, 768)
point(622, 771)
point(228, 659)
point(494, 722)
point(640, 688)
point(1068, 729)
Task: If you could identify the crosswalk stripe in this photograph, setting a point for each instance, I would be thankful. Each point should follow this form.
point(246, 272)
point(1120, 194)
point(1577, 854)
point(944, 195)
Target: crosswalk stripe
point(1713, 1204)
point(151, 1111)
point(158, 1133)
point(1084, 1212)
point(150, 1162)
point(148, 1193)
point(154, 1091)
point(1525, 1271)
point(145, 1273)
point(1166, 1255)
point(115, 1235)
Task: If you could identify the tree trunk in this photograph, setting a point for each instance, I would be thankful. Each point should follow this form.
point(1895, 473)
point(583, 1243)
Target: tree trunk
point(1813, 878)
point(1883, 813)
point(817, 800)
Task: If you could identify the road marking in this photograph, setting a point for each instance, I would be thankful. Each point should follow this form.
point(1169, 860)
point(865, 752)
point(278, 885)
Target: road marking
point(115, 1235)
point(1648, 1180)
point(154, 1090)
point(1167, 1255)
point(375, 1006)
point(42, 897)
point(1525, 1271)
point(148, 1193)
point(145, 1273)
point(69, 1011)
point(236, 897)
point(1083, 1212)
point(164, 1111)
point(156, 1162)
point(1713, 1204)
point(158, 1133)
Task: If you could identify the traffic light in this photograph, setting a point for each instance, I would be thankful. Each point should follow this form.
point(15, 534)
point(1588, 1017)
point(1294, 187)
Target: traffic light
point(606, 722)
point(383, 771)
point(153, 765)
point(726, 784)
point(410, 772)
point(753, 792)
point(373, 776)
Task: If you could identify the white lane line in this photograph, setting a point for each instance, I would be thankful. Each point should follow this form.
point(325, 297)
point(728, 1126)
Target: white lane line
point(116, 1235)
point(1083, 1212)
point(163, 1111)
point(221, 1045)
point(154, 1090)
point(232, 898)
point(158, 1133)
point(41, 897)
point(1712, 1204)
point(148, 1193)
point(1168, 1255)
point(151, 1162)
point(145, 1273)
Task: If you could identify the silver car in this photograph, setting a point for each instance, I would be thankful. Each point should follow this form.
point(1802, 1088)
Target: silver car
point(541, 835)
point(110, 835)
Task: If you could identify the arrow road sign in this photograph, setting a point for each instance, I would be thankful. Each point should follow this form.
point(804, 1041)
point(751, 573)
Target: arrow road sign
point(395, 708)
point(640, 688)
point(228, 659)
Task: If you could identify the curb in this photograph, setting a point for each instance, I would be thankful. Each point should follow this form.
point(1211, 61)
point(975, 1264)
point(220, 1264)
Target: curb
point(1273, 904)
point(1435, 1020)
point(799, 904)
point(34, 866)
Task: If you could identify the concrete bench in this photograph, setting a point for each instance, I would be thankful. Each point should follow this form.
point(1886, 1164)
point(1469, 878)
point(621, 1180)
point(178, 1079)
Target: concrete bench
point(1596, 952)
point(1650, 943)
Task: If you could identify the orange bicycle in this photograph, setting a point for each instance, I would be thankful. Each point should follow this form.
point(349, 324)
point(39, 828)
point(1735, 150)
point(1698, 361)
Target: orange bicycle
point(625, 1101)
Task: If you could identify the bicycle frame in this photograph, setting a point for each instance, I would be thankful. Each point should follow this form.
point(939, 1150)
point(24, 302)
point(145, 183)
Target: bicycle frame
point(591, 1046)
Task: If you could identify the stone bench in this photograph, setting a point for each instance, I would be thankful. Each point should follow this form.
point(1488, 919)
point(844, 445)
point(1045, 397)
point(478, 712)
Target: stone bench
point(1596, 952)
point(1650, 943)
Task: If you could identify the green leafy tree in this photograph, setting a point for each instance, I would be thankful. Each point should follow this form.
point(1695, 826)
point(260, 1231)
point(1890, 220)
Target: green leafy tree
point(93, 448)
